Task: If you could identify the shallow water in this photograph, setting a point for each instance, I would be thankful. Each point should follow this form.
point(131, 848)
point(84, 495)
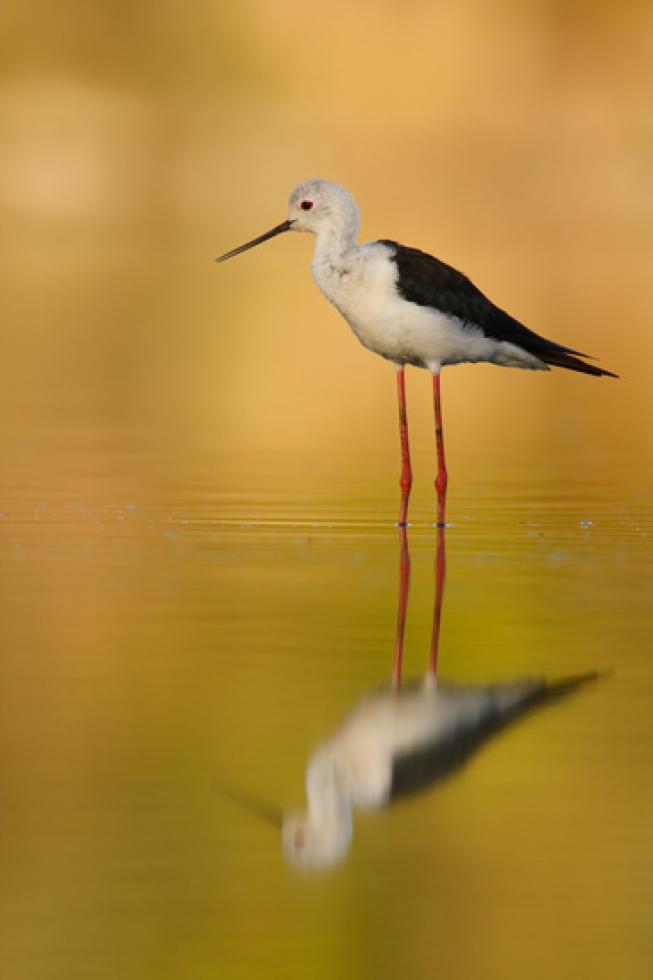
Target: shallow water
point(162, 636)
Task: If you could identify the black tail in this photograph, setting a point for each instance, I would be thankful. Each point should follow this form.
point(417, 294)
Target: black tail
point(554, 690)
point(560, 359)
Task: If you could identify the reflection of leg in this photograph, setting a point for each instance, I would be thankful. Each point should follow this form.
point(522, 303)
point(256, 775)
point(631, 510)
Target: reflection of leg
point(406, 478)
point(404, 582)
point(441, 478)
point(440, 570)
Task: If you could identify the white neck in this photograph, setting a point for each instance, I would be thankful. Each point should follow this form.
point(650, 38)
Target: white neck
point(331, 824)
point(334, 240)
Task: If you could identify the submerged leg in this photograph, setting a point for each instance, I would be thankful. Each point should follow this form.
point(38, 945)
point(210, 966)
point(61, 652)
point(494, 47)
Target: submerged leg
point(442, 478)
point(404, 583)
point(406, 479)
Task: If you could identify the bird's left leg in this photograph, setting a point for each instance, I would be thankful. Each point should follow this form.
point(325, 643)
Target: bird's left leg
point(441, 478)
point(406, 479)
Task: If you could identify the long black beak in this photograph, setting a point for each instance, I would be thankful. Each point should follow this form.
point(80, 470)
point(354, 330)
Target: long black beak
point(256, 805)
point(279, 230)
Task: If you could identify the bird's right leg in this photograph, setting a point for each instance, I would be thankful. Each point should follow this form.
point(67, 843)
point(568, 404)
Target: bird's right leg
point(440, 572)
point(442, 478)
point(404, 584)
point(406, 479)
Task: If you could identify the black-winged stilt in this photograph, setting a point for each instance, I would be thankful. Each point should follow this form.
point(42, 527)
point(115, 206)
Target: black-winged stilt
point(410, 308)
point(396, 742)
point(402, 739)
point(393, 743)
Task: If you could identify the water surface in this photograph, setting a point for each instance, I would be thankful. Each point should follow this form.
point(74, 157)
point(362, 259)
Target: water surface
point(162, 633)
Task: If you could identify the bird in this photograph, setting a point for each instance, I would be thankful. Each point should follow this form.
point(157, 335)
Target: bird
point(396, 742)
point(410, 308)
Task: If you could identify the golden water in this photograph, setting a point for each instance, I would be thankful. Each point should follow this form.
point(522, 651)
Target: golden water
point(160, 636)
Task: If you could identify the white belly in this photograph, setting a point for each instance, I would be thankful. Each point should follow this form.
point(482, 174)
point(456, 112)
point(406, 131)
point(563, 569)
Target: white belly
point(410, 334)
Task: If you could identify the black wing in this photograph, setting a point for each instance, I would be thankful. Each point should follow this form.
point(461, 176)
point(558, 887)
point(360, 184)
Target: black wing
point(414, 771)
point(427, 281)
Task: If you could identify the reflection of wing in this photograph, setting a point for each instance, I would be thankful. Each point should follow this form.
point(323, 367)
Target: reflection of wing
point(494, 708)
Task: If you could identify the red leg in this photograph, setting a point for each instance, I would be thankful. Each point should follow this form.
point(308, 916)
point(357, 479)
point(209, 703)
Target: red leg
point(442, 478)
point(440, 570)
point(406, 479)
point(404, 582)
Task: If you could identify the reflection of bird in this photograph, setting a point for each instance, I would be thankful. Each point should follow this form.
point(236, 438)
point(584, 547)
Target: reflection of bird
point(409, 307)
point(395, 742)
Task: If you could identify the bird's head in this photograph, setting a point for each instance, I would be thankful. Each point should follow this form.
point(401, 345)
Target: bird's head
point(315, 206)
point(311, 842)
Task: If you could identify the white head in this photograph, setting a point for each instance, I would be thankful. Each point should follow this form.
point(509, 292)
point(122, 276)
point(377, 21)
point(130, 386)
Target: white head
point(317, 206)
point(312, 841)
point(322, 836)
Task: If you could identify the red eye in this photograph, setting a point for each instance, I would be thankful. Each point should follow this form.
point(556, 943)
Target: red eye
point(306, 205)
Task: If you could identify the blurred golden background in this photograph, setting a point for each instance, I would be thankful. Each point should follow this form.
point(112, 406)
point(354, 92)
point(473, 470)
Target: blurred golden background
point(513, 140)
point(200, 467)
